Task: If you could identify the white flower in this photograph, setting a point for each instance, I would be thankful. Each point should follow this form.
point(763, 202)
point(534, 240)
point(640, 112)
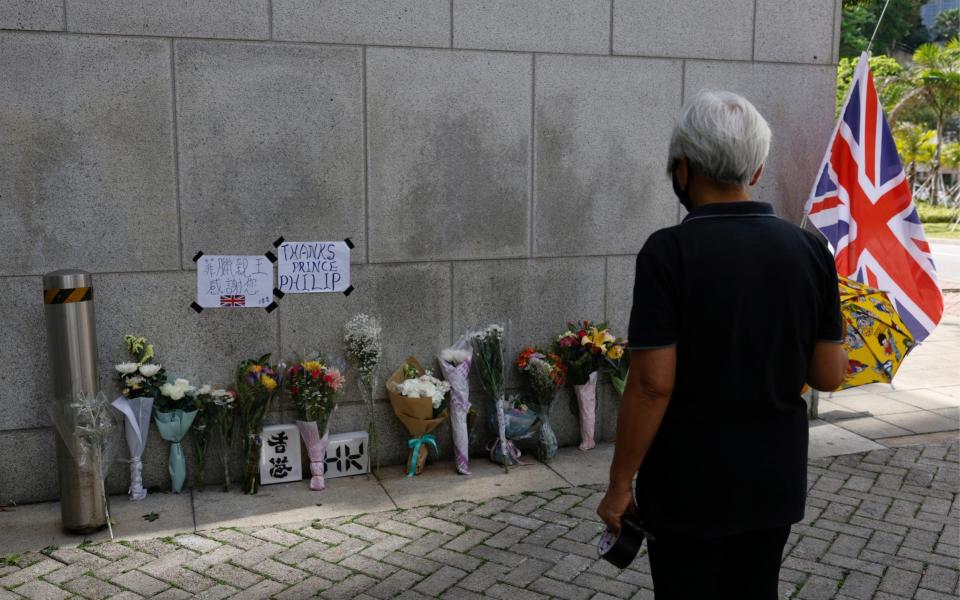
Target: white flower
point(171, 391)
point(127, 368)
point(149, 370)
point(425, 386)
point(135, 380)
point(204, 390)
point(177, 390)
point(454, 356)
point(222, 398)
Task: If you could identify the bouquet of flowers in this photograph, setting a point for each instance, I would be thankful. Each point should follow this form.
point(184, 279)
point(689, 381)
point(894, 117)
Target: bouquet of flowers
point(363, 347)
point(256, 383)
point(86, 428)
point(223, 410)
point(488, 352)
point(420, 402)
point(204, 402)
point(174, 412)
point(139, 385)
point(545, 374)
point(314, 386)
point(618, 361)
point(455, 366)
point(583, 348)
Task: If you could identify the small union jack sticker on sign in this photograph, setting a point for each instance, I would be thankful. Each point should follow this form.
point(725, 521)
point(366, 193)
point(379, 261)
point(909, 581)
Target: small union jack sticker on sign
point(233, 301)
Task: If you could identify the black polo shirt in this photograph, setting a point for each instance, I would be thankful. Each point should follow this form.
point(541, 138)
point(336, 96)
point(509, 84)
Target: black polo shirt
point(744, 296)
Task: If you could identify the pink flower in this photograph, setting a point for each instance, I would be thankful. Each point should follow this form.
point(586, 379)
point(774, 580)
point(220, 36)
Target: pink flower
point(333, 379)
point(567, 342)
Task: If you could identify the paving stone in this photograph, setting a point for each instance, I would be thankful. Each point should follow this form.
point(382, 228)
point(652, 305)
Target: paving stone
point(440, 581)
point(233, 575)
point(305, 589)
point(92, 588)
point(41, 590)
point(400, 580)
point(264, 589)
point(349, 587)
point(939, 578)
point(899, 582)
point(859, 585)
point(140, 583)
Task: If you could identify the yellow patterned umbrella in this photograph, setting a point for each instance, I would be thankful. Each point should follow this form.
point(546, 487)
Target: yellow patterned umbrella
point(876, 340)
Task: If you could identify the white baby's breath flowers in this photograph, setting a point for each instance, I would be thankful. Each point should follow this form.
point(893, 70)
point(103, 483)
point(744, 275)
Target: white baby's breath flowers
point(127, 368)
point(149, 370)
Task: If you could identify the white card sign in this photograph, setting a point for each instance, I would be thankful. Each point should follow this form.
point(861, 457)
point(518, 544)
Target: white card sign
point(234, 281)
point(308, 267)
point(280, 454)
point(347, 454)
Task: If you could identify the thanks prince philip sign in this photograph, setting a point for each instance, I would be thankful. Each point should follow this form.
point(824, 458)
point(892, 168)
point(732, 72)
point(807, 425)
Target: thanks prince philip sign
point(306, 267)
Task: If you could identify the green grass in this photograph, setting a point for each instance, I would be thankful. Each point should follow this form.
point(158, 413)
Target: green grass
point(936, 214)
point(941, 230)
point(10, 560)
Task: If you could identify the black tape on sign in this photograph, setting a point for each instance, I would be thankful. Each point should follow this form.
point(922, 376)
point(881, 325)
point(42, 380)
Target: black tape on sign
point(197, 256)
point(278, 293)
point(620, 550)
point(348, 291)
point(271, 257)
point(196, 307)
point(279, 241)
point(272, 307)
point(349, 243)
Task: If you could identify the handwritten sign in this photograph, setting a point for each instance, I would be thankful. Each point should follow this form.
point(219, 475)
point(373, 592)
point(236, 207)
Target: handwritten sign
point(307, 267)
point(234, 281)
point(280, 454)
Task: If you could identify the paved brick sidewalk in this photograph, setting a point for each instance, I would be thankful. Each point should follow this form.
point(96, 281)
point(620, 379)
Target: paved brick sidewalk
point(880, 525)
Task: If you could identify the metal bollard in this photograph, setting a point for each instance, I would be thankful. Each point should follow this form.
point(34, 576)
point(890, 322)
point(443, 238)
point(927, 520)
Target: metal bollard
point(72, 345)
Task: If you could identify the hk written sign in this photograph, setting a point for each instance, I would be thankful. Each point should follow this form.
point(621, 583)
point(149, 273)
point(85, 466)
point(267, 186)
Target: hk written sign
point(306, 267)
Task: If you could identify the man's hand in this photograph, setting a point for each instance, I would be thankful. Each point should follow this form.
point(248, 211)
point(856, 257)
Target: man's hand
point(614, 505)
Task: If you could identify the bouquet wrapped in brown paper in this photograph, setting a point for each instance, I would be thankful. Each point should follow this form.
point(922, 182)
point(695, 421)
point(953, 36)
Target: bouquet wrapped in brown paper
point(420, 402)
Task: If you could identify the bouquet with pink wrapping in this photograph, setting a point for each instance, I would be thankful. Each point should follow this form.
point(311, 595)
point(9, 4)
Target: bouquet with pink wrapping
point(584, 348)
point(314, 386)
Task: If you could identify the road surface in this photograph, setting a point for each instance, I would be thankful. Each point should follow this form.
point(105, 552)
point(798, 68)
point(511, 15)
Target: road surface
point(947, 259)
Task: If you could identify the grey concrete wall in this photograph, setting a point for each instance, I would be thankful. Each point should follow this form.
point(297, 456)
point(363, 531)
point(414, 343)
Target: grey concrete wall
point(493, 160)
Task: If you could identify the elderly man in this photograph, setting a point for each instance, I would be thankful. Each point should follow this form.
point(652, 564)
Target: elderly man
point(733, 311)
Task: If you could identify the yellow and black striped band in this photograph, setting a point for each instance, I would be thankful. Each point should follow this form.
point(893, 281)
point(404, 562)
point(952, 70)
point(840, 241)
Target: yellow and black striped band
point(67, 295)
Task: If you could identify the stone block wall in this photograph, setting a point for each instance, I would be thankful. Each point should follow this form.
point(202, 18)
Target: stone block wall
point(493, 160)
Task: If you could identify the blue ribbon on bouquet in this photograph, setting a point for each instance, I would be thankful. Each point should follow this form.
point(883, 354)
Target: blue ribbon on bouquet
point(415, 444)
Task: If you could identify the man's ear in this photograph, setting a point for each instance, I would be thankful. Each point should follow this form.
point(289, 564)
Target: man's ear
point(756, 176)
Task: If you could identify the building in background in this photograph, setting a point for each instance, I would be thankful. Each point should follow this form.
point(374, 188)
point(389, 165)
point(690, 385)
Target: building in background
point(930, 10)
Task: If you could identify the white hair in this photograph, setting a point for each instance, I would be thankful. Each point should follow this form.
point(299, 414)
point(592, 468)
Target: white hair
point(723, 136)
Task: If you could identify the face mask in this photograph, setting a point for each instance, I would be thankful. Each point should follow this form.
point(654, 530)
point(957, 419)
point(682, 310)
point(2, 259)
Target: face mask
point(681, 194)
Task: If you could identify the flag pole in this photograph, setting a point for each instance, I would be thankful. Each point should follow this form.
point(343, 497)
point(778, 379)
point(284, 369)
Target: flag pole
point(877, 27)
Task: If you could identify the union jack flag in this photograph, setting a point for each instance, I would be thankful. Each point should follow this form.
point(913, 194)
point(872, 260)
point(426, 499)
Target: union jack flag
point(862, 204)
point(233, 300)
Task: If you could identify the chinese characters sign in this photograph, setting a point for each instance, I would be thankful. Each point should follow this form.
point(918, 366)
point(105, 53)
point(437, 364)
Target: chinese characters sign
point(234, 281)
point(280, 454)
point(306, 267)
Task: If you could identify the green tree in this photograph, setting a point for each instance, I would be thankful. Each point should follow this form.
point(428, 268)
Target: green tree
point(888, 75)
point(947, 25)
point(916, 146)
point(934, 79)
point(900, 25)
